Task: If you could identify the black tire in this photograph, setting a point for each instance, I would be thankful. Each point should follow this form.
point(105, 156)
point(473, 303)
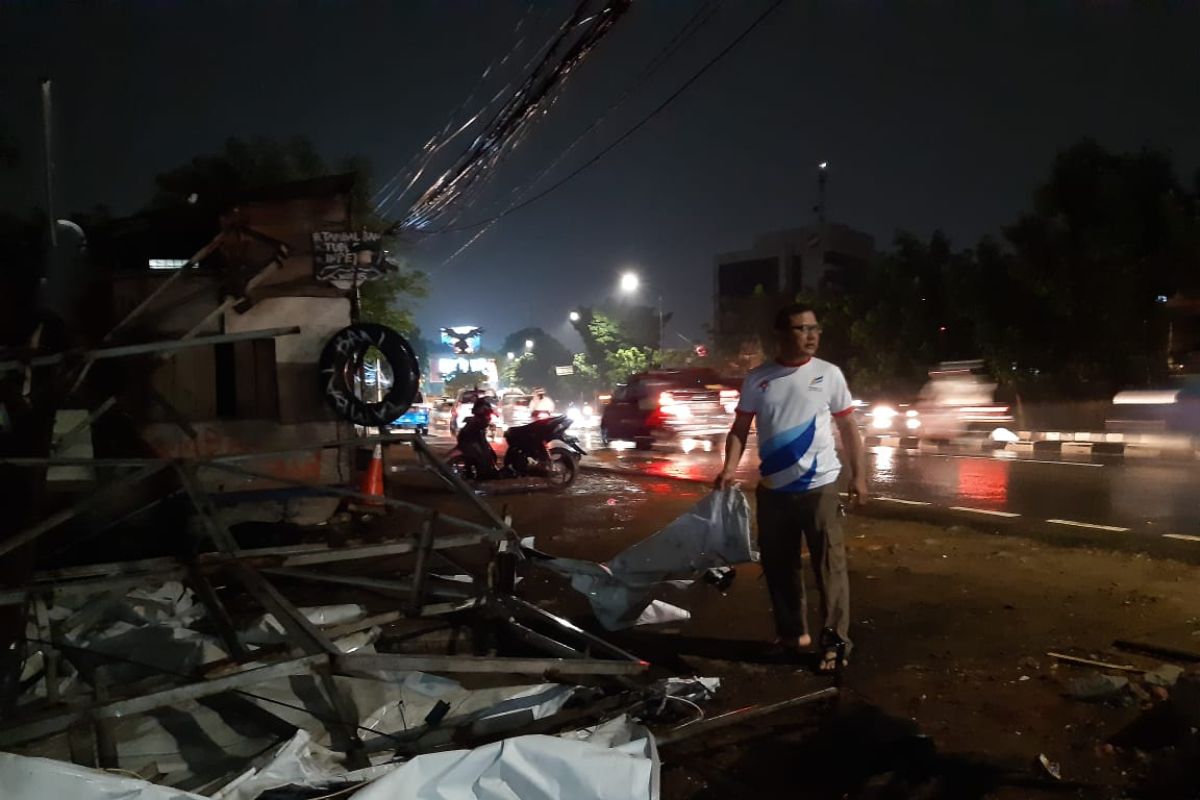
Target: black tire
point(564, 469)
point(643, 442)
point(341, 360)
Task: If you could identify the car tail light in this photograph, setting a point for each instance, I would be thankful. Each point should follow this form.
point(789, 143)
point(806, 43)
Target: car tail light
point(666, 399)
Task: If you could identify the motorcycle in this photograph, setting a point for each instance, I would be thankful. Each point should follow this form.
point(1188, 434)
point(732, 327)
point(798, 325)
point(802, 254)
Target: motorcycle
point(540, 449)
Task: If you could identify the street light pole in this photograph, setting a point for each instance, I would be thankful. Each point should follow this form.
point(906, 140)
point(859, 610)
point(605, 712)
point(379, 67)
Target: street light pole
point(660, 330)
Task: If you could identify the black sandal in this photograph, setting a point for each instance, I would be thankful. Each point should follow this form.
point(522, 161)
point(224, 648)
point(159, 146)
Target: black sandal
point(833, 652)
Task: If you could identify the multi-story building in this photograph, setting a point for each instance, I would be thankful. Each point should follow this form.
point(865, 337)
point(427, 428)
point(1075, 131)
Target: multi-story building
point(781, 265)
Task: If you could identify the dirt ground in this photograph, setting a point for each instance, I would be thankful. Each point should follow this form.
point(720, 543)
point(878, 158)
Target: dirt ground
point(950, 693)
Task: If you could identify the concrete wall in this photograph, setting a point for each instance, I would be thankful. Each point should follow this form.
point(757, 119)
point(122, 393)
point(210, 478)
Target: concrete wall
point(248, 436)
point(296, 356)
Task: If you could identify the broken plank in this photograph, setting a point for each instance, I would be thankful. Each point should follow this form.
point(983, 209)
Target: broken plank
point(24, 731)
point(146, 348)
point(739, 716)
point(446, 589)
point(19, 594)
point(336, 491)
point(392, 662)
point(1088, 662)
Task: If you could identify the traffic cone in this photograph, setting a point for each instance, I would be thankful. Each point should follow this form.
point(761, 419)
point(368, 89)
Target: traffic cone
point(372, 478)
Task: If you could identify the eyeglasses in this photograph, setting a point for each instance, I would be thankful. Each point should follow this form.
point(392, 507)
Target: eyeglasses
point(806, 328)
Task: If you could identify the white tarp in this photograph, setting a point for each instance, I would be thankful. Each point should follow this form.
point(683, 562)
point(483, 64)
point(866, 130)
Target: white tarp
point(201, 737)
point(25, 778)
point(613, 761)
point(298, 762)
point(713, 533)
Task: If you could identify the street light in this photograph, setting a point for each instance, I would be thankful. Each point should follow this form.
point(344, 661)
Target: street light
point(630, 282)
point(573, 316)
point(511, 355)
point(528, 345)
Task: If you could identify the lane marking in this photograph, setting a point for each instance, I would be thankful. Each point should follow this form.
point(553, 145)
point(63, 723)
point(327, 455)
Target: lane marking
point(1184, 536)
point(989, 512)
point(905, 502)
point(1072, 522)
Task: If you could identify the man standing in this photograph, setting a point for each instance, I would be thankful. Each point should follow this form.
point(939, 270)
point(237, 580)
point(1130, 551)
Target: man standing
point(798, 399)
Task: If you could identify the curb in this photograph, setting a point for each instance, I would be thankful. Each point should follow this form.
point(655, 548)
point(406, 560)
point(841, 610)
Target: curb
point(1131, 445)
point(1065, 533)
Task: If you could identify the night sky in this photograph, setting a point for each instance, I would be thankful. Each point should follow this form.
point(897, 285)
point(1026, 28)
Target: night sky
point(931, 114)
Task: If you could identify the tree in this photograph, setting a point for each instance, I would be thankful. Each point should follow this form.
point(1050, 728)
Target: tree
point(1068, 303)
point(239, 166)
point(536, 367)
point(901, 319)
point(584, 381)
point(388, 301)
point(464, 379)
point(525, 371)
point(625, 362)
point(610, 348)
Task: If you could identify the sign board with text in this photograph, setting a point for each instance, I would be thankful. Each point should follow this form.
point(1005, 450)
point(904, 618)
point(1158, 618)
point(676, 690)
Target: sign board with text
point(336, 261)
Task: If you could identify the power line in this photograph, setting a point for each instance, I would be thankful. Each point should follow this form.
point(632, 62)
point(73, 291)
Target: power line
point(628, 133)
point(702, 15)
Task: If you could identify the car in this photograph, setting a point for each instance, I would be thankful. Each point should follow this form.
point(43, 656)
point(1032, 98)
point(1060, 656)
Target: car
point(666, 405)
point(514, 410)
point(957, 401)
point(443, 413)
point(1173, 408)
point(416, 418)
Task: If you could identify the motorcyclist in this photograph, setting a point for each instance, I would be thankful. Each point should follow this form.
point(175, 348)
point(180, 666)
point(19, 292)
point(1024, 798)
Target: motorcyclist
point(541, 406)
point(473, 440)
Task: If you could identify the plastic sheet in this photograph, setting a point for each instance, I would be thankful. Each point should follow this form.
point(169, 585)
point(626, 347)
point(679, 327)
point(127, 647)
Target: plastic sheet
point(297, 762)
point(25, 778)
point(613, 761)
point(267, 630)
point(713, 533)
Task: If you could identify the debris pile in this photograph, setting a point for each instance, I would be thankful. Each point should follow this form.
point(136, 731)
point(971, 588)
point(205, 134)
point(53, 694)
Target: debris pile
point(214, 674)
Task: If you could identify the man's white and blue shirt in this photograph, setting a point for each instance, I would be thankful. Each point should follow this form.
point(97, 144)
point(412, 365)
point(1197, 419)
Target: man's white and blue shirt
point(795, 406)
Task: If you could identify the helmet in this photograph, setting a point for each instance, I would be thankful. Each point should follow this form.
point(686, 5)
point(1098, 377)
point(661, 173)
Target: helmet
point(482, 407)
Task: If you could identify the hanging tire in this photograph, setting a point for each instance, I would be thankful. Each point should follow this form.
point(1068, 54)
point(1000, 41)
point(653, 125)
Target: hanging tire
point(341, 363)
point(564, 469)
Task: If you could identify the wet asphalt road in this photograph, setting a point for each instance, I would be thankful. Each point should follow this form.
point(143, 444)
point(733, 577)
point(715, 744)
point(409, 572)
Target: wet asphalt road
point(1082, 495)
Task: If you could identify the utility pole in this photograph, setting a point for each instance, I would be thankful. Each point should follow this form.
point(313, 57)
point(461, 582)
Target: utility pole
point(822, 174)
point(48, 139)
point(660, 330)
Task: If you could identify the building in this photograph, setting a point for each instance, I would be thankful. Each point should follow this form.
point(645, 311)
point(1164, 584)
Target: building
point(779, 266)
point(260, 270)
